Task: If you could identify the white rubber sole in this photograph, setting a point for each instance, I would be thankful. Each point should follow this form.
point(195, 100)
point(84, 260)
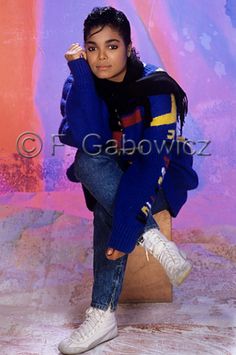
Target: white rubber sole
point(81, 349)
point(182, 274)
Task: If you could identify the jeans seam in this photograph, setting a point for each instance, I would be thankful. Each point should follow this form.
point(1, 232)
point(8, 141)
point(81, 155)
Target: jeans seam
point(119, 269)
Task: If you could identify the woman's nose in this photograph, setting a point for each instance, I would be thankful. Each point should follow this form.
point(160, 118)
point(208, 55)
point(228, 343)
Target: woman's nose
point(102, 55)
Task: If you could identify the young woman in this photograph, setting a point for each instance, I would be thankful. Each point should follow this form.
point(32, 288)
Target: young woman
point(122, 116)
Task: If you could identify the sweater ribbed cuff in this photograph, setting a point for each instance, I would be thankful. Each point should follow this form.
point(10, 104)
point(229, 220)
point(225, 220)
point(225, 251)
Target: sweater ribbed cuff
point(124, 237)
point(81, 71)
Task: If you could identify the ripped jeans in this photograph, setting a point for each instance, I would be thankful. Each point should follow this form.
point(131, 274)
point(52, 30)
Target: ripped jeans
point(101, 174)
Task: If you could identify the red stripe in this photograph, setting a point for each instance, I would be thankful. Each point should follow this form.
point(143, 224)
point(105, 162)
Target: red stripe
point(132, 119)
point(166, 160)
point(117, 136)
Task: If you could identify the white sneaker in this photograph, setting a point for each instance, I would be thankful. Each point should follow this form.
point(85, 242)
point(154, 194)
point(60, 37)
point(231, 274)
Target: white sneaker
point(173, 260)
point(98, 327)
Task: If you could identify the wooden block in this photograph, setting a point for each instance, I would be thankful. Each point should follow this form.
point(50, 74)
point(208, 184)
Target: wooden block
point(146, 281)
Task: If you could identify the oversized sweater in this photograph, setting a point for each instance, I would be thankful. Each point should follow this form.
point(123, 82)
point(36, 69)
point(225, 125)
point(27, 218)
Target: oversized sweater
point(160, 160)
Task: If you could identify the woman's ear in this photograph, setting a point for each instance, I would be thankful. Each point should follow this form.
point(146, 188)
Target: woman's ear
point(129, 48)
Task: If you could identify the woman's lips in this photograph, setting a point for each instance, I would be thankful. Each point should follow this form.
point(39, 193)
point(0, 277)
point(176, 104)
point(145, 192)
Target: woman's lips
point(103, 67)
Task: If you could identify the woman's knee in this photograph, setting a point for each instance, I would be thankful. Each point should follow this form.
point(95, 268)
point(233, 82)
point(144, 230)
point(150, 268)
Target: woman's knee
point(83, 164)
point(88, 164)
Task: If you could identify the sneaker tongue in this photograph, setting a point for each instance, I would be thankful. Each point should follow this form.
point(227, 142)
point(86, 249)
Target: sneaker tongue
point(95, 310)
point(89, 310)
point(93, 313)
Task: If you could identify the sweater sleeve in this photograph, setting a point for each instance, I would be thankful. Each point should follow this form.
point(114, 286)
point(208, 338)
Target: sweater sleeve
point(85, 112)
point(139, 183)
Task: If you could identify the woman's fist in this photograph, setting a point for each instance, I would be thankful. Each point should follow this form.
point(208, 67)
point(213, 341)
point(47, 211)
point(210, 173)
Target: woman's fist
point(74, 52)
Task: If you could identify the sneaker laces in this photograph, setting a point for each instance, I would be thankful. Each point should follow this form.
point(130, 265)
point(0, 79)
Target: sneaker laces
point(147, 257)
point(92, 317)
point(169, 257)
point(166, 251)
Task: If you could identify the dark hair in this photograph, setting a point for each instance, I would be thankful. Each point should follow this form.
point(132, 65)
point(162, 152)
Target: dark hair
point(109, 16)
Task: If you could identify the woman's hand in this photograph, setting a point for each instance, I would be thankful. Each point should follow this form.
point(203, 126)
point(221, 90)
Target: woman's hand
point(74, 52)
point(113, 254)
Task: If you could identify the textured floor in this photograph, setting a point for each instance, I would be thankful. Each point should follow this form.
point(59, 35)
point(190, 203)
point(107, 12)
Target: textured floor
point(45, 284)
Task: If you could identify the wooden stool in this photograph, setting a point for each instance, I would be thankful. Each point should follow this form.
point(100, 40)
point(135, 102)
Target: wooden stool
point(146, 281)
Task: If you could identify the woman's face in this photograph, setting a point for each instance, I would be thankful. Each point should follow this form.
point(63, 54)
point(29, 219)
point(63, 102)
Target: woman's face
point(107, 54)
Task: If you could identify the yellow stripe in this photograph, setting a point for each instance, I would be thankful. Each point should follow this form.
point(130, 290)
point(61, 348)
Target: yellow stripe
point(181, 138)
point(168, 117)
point(145, 210)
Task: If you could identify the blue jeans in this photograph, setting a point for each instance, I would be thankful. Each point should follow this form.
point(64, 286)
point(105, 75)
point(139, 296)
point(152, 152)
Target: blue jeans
point(101, 175)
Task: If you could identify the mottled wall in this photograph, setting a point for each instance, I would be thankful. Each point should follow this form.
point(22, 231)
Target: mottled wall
point(194, 42)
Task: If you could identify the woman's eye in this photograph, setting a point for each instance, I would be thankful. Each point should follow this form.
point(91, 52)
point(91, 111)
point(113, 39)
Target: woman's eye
point(113, 46)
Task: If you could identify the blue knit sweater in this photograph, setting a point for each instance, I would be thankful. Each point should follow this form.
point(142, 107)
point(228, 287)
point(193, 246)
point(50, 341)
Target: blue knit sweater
point(165, 165)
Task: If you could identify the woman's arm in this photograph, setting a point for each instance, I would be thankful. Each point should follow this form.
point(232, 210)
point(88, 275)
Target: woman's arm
point(86, 113)
point(138, 184)
point(86, 122)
